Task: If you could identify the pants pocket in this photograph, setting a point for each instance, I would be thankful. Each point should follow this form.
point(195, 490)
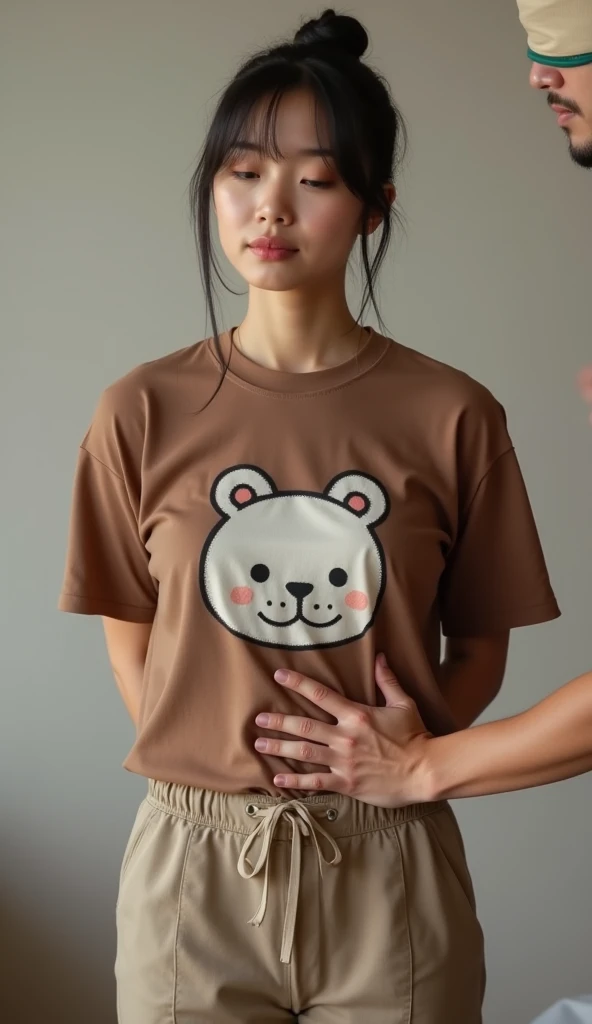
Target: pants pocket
point(446, 937)
point(144, 816)
point(446, 833)
point(147, 913)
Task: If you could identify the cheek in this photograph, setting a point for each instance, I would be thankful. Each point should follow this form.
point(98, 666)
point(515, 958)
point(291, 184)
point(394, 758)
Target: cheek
point(333, 221)
point(231, 209)
point(241, 595)
point(357, 601)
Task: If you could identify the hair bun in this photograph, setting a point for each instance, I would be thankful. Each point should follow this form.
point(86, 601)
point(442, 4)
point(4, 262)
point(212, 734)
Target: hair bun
point(335, 30)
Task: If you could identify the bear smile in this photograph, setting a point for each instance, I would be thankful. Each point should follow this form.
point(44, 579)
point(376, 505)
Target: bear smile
point(300, 591)
point(300, 617)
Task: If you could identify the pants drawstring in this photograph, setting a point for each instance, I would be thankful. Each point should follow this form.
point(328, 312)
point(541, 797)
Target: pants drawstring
point(302, 824)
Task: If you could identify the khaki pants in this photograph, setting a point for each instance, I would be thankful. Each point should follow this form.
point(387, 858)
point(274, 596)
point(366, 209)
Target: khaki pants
point(242, 909)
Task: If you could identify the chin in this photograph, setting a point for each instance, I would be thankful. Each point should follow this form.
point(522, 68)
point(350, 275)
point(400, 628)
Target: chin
point(581, 153)
point(274, 282)
point(278, 277)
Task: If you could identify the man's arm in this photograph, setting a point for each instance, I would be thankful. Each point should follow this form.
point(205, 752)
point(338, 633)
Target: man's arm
point(547, 743)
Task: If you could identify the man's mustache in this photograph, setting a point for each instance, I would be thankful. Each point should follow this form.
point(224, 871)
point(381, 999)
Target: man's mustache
point(554, 99)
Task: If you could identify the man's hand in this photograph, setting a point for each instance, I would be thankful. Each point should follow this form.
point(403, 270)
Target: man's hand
point(373, 754)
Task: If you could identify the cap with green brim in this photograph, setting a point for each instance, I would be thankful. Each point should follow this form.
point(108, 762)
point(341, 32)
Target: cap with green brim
point(559, 31)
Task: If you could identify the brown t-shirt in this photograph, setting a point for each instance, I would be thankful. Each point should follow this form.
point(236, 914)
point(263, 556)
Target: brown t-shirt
point(302, 521)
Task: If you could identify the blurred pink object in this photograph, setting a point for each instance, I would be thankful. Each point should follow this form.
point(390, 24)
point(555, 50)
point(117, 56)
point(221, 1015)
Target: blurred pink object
point(585, 382)
point(585, 385)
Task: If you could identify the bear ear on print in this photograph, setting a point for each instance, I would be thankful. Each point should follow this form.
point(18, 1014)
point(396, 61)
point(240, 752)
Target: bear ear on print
point(362, 495)
point(240, 486)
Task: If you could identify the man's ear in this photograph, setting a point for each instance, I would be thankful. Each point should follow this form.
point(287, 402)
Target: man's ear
point(375, 221)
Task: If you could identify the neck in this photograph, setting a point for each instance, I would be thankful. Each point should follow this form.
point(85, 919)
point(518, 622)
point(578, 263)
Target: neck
point(281, 331)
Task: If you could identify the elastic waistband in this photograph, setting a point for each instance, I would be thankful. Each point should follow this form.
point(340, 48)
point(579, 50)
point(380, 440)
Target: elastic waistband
point(236, 812)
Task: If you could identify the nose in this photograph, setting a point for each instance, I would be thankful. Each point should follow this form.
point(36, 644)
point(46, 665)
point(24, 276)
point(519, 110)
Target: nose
point(299, 590)
point(274, 205)
point(543, 76)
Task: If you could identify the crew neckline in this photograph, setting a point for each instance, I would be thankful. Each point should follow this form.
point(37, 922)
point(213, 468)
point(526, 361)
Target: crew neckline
point(286, 382)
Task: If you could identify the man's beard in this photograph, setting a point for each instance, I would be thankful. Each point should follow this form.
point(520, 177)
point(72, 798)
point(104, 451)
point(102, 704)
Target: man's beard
point(581, 155)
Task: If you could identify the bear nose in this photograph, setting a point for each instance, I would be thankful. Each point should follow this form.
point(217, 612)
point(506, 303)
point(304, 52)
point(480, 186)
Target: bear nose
point(299, 590)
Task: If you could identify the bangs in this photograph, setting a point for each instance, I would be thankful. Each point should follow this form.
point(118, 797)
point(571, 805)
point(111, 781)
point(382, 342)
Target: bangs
point(249, 113)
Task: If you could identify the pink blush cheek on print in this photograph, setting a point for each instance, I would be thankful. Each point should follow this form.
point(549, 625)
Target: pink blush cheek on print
point(357, 601)
point(241, 595)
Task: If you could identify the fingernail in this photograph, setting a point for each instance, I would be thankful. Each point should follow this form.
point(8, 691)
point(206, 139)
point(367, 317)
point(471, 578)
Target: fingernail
point(281, 676)
point(261, 744)
point(280, 780)
point(382, 660)
point(262, 720)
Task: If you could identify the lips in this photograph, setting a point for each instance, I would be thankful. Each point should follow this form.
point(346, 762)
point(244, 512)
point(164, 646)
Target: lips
point(269, 242)
point(563, 113)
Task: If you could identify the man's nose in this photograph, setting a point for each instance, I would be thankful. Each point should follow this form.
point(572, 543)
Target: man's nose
point(544, 77)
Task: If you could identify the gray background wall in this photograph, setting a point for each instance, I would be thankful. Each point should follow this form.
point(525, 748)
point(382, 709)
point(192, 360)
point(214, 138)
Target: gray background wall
point(103, 108)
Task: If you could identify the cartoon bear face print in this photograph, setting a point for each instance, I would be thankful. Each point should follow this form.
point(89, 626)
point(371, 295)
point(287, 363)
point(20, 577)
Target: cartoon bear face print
point(294, 569)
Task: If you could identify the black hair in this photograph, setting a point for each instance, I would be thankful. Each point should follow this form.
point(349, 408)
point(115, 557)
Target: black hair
point(367, 132)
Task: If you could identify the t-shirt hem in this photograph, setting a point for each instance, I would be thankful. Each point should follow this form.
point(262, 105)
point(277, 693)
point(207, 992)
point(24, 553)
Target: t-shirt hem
point(532, 616)
point(98, 606)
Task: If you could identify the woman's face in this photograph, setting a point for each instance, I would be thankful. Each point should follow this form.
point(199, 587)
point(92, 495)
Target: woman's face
point(298, 200)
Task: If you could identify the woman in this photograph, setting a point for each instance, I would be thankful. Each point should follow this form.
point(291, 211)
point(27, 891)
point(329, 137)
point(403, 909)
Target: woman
point(294, 496)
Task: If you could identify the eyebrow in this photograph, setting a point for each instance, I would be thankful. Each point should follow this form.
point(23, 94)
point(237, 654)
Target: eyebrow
point(310, 151)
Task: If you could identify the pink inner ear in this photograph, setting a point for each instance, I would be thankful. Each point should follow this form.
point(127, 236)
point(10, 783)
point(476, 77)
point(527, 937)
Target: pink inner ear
point(242, 495)
point(358, 503)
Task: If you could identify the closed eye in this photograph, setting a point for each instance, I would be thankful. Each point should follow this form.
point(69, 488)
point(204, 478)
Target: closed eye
point(318, 184)
point(249, 175)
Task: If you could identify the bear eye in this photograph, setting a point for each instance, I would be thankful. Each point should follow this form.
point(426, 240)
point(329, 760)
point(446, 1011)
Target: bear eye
point(338, 577)
point(260, 573)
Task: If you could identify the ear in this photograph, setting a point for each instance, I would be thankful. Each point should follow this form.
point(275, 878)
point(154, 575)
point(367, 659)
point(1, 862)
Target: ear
point(238, 487)
point(375, 221)
point(362, 495)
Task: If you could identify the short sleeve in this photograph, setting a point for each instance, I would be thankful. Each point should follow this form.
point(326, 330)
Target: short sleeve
point(496, 577)
point(107, 565)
